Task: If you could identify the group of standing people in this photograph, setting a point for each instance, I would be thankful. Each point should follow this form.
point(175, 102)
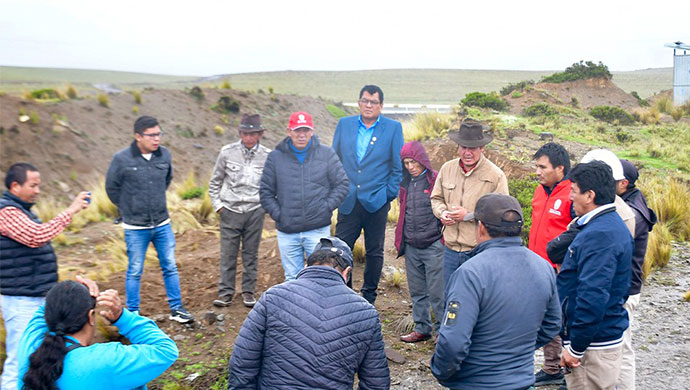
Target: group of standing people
point(487, 301)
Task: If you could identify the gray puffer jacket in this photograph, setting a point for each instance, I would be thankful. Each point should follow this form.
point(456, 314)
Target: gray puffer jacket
point(301, 197)
point(310, 333)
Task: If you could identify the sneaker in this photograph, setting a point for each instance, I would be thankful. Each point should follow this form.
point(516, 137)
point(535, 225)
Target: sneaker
point(222, 302)
point(542, 378)
point(181, 315)
point(248, 299)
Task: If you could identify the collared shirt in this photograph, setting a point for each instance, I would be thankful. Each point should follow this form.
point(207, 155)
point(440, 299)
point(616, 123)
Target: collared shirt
point(15, 224)
point(364, 137)
point(585, 218)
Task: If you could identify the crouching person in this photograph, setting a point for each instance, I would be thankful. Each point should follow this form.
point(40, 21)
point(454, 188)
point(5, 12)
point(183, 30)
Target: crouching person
point(57, 349)
point(418, 237)
point(311, 333)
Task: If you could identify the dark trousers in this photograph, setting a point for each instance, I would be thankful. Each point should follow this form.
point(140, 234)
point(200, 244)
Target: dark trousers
point(235, 228)
point(349, 227)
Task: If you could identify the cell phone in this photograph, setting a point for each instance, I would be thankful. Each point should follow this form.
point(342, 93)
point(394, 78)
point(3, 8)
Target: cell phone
point(88, 200)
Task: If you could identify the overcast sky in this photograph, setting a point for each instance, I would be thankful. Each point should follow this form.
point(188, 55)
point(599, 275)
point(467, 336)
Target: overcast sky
point(206, 37)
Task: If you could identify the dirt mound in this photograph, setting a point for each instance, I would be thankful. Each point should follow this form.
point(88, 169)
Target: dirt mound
point(73, 141)
point(581, 93)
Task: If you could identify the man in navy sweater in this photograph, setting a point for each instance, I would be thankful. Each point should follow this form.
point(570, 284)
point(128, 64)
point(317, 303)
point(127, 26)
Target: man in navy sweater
point(594, 282)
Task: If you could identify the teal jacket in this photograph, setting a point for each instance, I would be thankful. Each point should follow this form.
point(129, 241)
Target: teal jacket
point(106, 365)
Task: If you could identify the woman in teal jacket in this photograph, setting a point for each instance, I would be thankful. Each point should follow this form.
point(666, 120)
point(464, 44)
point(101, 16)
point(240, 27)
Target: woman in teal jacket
point(57, 350)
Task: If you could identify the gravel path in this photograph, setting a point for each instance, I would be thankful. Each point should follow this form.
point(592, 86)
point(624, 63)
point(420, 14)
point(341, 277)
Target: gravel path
point(661, 335)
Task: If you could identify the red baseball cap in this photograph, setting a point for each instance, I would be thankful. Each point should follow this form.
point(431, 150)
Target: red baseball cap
point(300, 119)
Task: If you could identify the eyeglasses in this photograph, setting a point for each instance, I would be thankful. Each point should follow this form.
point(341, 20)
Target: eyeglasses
point(153, 135)
point(366, 102)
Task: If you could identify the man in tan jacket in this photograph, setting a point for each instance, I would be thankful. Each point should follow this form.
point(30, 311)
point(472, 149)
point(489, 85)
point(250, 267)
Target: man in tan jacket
point(460, 184)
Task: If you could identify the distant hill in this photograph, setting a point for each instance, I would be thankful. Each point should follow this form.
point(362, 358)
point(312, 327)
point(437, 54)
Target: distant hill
point(400, 85)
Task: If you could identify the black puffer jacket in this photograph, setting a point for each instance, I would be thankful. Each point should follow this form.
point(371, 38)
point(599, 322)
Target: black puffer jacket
point(310, 333)
point(25, 271)
point(137, 186)
point(301, 197)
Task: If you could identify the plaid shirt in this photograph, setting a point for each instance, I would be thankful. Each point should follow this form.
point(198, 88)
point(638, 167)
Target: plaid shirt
point(15, 224)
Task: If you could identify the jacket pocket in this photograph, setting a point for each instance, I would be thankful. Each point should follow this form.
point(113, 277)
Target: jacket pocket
point(232, 171)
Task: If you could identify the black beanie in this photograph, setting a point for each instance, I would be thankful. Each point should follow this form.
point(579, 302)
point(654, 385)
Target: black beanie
point(144, 122)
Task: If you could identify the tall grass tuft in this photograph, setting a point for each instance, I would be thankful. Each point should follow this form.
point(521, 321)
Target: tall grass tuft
point(658, 249)
point(427, 125)
point(670, 199)
point(71, 92)
point(664, 105)
point(103, 100)
point(395, 278)
point(686, 298)
point(394, 212)
point(137, 97)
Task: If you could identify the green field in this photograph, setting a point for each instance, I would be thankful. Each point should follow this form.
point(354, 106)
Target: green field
point(400, 85)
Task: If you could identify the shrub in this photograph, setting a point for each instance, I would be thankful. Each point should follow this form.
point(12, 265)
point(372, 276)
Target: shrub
point(517, 94)
point(677, 113)
point(640, 101)
point(103, 100)
point(612, 114)
point(226, 104)
point(539, 109)
point(649, 117)
point(135, 110)
point(520, 85)
point(580, 71)
point(218, 129)
point(192, 193)
point(33, 117)
point(426, 125)
point(686, 108)
point(270, 90)
point(137, 97)
point(523, 190)
point(71, 92)
point(45, 94)
point(664, 105)
point(225, 85)
point(197, 93)
point(485, 100)
point(336, 111)
point(396, 278)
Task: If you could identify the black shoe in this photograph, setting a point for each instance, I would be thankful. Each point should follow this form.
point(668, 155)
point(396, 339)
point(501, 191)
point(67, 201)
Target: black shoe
point(563, 386)
point(542, 378)
point(181, 315)
point(222, 301)
point(248, 299)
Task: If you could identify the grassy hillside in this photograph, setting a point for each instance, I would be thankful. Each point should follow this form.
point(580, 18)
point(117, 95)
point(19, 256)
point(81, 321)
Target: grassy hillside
point(400, 85)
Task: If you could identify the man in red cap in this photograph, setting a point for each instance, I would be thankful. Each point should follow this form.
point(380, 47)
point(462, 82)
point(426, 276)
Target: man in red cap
point(302, 183)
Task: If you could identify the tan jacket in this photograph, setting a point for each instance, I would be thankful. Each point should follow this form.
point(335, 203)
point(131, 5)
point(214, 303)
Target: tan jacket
point(236, 177)
point(627, 215)
point(457, 188)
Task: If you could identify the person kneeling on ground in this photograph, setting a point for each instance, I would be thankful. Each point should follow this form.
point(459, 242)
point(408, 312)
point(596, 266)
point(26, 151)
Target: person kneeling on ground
point(57, 349)
point(418, 237)
point(311, 333)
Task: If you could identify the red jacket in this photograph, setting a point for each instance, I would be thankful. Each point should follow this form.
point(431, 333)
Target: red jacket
point(550, 216)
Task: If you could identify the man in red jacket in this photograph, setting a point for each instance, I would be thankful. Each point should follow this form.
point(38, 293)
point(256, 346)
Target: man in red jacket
point(551, 214)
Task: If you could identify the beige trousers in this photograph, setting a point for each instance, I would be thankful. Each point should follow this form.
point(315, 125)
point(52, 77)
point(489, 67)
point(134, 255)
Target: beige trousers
point(599, 370)
point(626, 379)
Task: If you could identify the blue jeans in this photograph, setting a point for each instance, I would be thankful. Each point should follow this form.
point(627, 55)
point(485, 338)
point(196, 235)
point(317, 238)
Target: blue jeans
point(164, 241)
point(16, 312)
point(296, 247)
point(452, 260)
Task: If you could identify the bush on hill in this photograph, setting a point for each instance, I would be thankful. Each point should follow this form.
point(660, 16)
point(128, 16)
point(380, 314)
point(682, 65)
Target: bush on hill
point(45, 94)
point(612, 114)
point(520, 85)
point(539, 109)
point(227, 104)
point(523, 190)
point(580, 71)
point(485, 100)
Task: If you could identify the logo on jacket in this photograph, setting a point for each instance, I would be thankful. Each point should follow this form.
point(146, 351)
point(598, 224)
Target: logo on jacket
point(556, 206)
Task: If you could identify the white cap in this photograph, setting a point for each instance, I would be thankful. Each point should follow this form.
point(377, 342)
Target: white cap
point(607, 157)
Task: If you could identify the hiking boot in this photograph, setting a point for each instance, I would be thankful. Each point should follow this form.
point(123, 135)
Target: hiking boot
point(542, 379)
point(223, 302)
point(248, 299)
point(415, 337)
point(181, 315)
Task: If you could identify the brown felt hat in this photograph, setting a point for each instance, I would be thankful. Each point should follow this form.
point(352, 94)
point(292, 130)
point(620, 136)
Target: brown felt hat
point(470, 134)
point(251, 123)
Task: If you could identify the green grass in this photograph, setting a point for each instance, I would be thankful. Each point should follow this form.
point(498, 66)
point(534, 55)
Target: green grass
point(399, 85)
point(336, 111)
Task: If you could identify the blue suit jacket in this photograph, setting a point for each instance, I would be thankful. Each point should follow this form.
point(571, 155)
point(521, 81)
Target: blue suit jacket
point(374, 180)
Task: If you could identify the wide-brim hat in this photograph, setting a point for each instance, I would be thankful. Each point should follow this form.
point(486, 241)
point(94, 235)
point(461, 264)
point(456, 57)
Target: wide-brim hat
point(470, 134)
point(251, 123)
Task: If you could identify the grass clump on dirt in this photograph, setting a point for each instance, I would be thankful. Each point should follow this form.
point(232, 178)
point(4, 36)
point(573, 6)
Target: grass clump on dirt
point(580, 71)
point(395, 278)
point(226, 104)
point(485, 100)
point(71, 92)
point(336, 111)
point(103, 100)
point(519, 86)
point(612, 114)
point(137, 97)
point(226, 85)
point(197, 93)
point(427, 125)
point(539, 109)
point(46, 94)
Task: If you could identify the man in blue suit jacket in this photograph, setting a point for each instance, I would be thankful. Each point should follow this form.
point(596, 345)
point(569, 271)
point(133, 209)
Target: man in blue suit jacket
point(369, 147)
